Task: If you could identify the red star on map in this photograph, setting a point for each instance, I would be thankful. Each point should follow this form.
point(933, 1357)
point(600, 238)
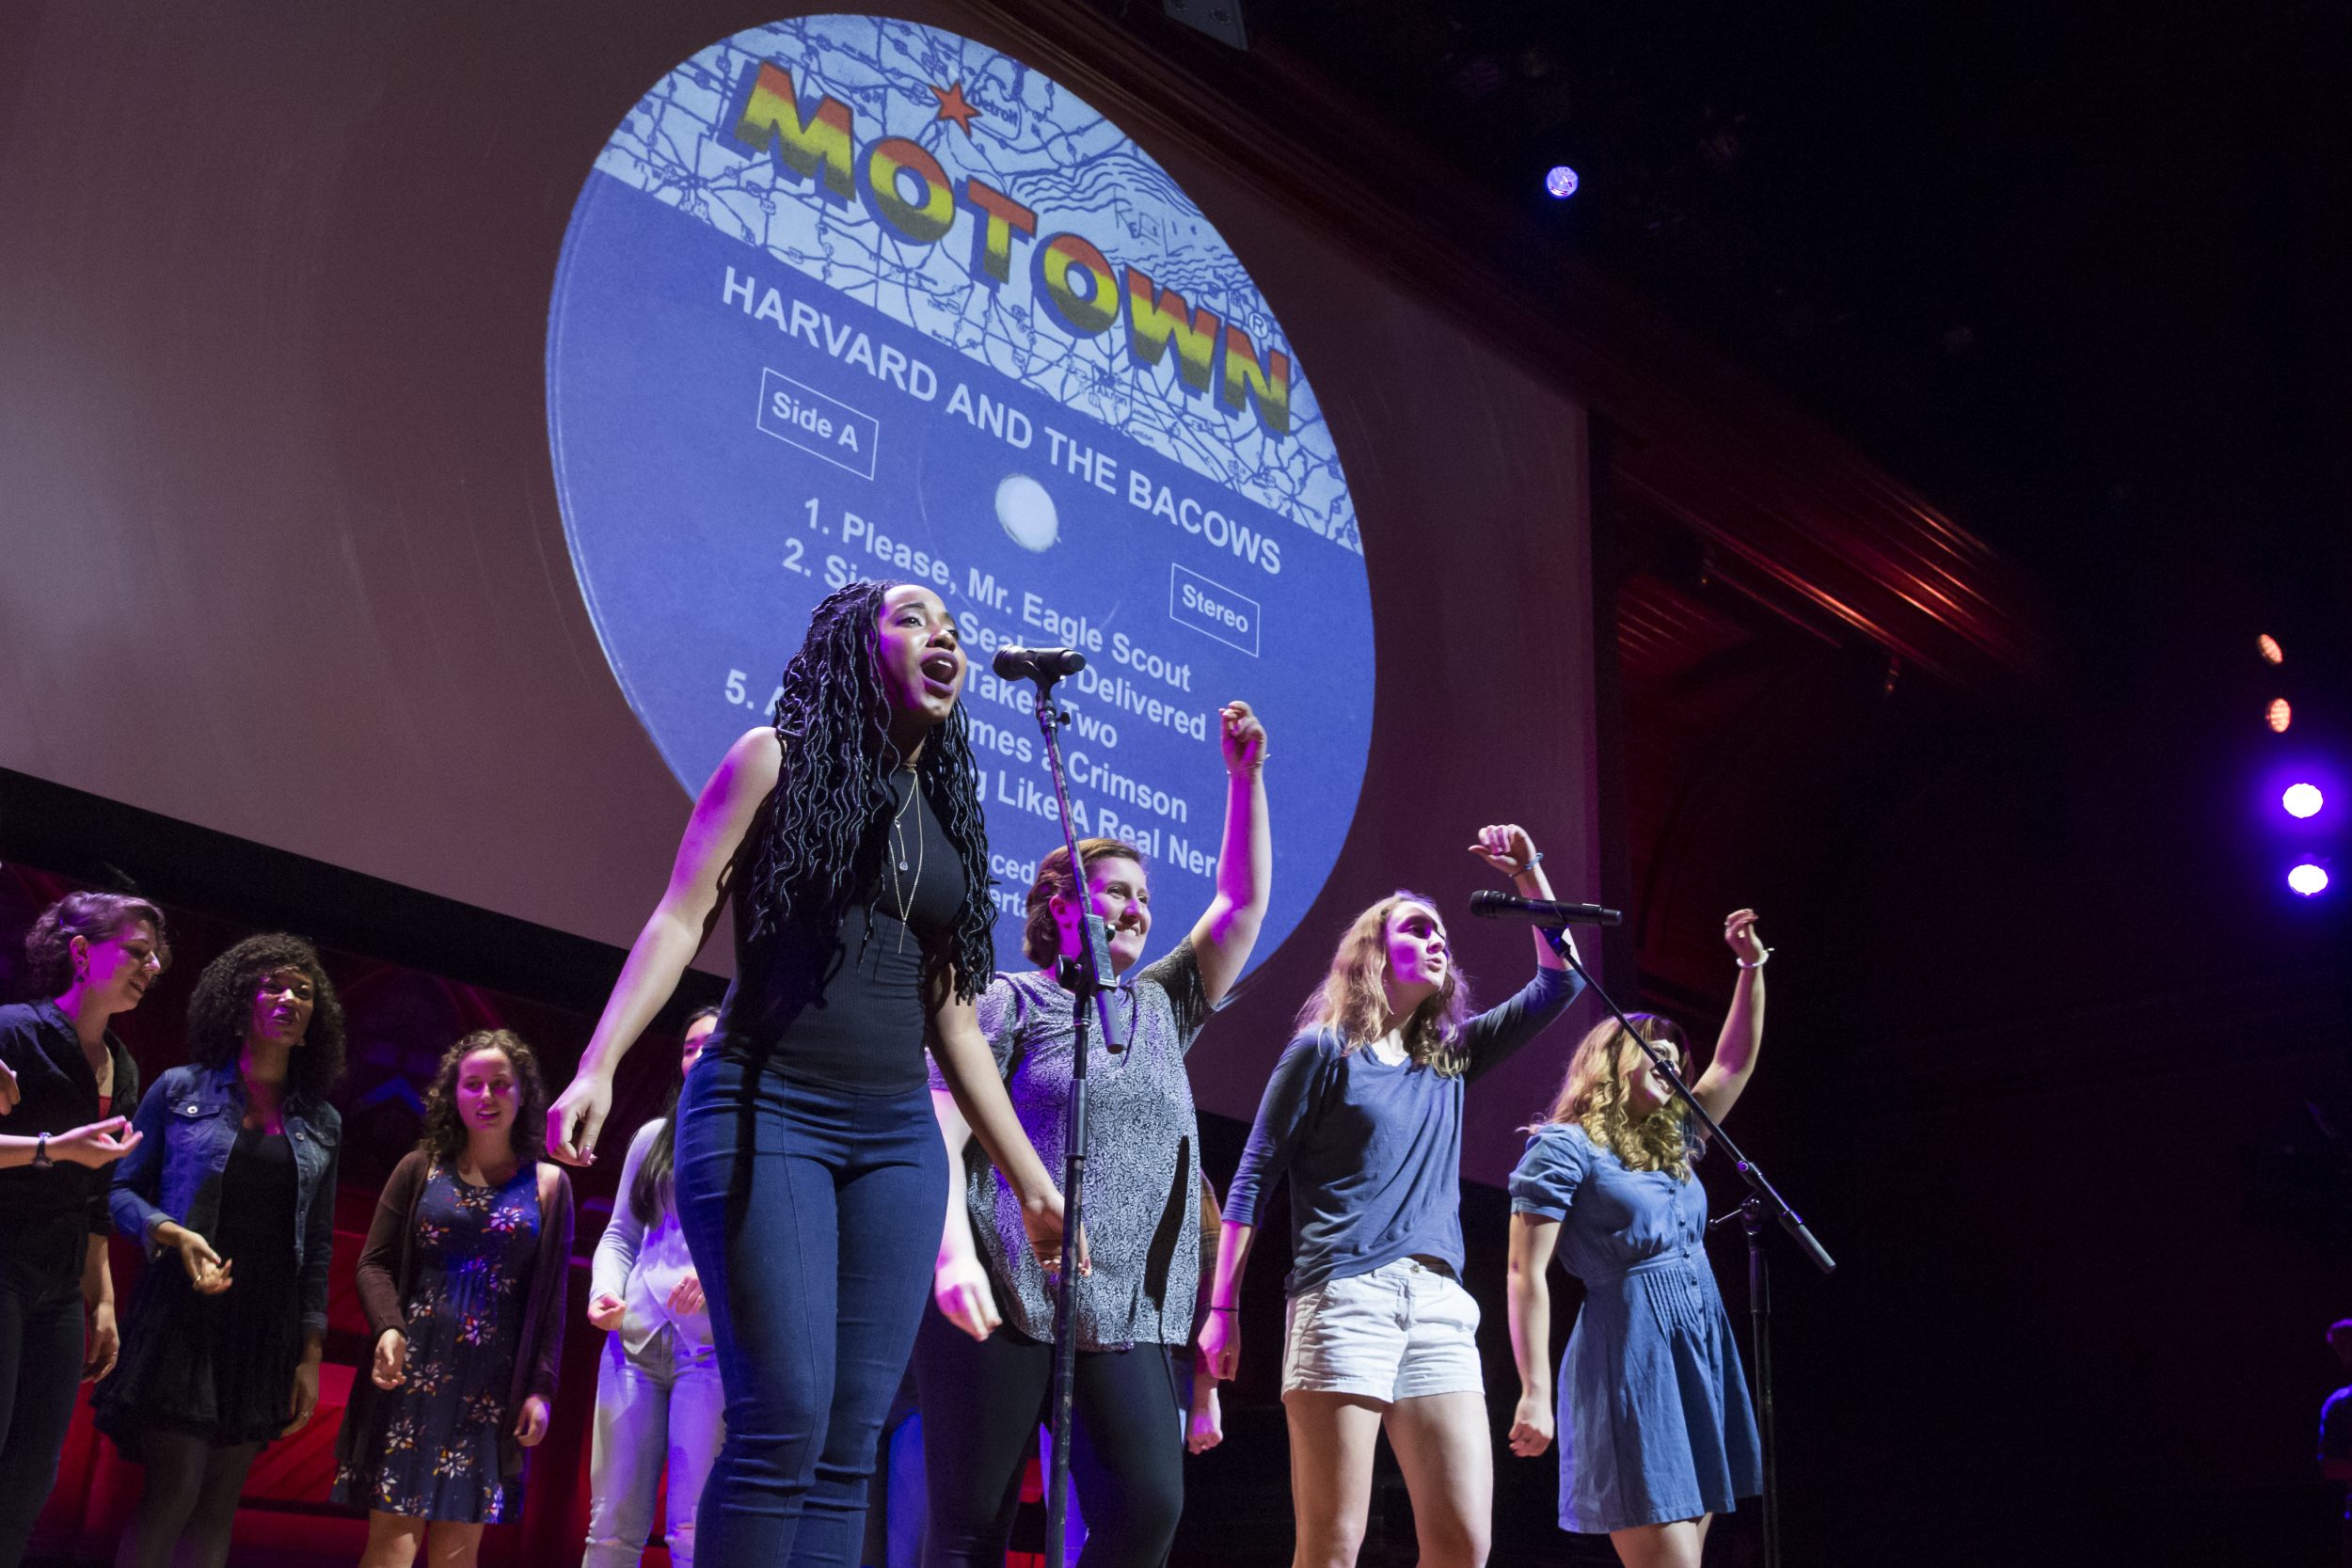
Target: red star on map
point(955, 108)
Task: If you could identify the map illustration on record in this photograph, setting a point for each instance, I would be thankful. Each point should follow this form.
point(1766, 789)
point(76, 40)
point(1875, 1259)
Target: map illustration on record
point(850, 296)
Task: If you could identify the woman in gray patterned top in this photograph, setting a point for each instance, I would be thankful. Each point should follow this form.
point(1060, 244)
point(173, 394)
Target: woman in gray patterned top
point(984, 1389)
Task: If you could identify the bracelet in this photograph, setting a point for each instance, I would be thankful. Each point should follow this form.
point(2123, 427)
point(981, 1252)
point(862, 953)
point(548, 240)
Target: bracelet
point(1759, 963)
point(41, 1153)
point(1214, 1308)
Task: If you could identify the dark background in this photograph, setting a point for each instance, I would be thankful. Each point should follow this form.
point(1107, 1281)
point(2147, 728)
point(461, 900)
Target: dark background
point(2053, 299)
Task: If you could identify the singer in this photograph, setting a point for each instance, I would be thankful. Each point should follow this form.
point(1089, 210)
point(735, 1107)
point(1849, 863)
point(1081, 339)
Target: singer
point(848, 842)
point(1364, 1113)
point(1657, 1436)
point(982, 1400)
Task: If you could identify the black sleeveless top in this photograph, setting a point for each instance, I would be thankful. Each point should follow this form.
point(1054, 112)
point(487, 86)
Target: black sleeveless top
point(844, 1006)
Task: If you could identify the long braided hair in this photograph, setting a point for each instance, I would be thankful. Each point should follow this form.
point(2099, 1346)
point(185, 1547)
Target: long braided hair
point(833, 718)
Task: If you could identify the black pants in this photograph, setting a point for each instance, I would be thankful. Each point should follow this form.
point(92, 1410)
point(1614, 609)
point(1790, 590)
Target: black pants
point(981, 1403)
point(40, 1371)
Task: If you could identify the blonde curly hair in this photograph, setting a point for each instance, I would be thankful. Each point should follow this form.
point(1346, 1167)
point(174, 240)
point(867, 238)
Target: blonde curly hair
point(1592, 1097)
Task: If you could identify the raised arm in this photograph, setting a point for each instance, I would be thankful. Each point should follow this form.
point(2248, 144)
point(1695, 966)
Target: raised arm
point(672, 936)
point(959, 1278)
point(1727, 1072)
point(1228, 928)
point(1507, 847)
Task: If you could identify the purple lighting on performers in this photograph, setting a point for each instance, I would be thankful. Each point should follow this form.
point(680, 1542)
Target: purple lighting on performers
point(2308, 878)
point(2302, 799)
point(1561, 182)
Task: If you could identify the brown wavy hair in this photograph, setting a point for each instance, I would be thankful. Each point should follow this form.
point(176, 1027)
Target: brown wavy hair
point(444, 1135)
point(221, 1010)
point(1040, 939)
point(1351, 1001)
point(1592, 1097)
point(93, 917)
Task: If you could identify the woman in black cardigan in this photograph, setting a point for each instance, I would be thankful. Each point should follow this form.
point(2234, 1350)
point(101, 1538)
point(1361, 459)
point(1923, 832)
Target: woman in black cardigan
point(463, 1280)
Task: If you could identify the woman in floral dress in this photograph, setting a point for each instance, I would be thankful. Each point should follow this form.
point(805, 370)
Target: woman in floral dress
point(463, 1282)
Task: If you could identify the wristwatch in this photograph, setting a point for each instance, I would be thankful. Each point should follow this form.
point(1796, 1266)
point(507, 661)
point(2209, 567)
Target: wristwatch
point(41, 1153)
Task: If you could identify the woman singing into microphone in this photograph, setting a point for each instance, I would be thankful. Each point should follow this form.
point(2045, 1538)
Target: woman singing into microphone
point(1364, 1113)
point(1656, 1432)
point(846, 839)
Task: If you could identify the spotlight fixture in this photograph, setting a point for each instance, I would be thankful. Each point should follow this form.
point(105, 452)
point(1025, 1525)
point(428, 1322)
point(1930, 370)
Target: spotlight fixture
point(2302, 799)
point(1561, 182)
point(2308, 878)
point(2270, 650)
point(2279, 716)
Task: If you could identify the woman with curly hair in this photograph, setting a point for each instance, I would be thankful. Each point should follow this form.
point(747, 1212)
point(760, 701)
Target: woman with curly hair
point(1364, 1113)
point(1656, 1431)
point(231, 1191)
point(62, 1073)
point(848, 842)
point(463, 1281)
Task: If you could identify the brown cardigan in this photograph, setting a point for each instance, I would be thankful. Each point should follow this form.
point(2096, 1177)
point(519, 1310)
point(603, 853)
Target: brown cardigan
point(387, 1271)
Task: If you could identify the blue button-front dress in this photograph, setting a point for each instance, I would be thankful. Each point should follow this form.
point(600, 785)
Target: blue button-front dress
point(1655, 1421)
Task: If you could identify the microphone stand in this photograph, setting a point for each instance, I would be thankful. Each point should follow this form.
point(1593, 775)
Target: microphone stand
point(1090, 982)
point(1763, 1200)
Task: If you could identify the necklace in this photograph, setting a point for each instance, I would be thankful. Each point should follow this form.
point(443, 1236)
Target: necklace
point(905, 900)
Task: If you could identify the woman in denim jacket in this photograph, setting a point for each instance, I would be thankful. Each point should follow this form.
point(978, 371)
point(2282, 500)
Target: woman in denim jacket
point(234, 1177)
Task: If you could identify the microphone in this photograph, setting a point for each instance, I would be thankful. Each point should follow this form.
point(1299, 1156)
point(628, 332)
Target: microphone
point(1043, 665)
point(1490, 904)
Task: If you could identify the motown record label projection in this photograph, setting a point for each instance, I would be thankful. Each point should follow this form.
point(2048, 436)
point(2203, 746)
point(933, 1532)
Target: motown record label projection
point(848, 296)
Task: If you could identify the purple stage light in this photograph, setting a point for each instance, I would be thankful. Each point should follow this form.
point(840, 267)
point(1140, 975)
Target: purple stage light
point(1561, 182)
point(2302, 799)
point(2308, 878)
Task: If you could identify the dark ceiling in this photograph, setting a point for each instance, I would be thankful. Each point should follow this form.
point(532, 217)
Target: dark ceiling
point(1981, 238)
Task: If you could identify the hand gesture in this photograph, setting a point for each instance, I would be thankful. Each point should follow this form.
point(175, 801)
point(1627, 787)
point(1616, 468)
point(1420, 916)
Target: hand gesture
point(1739, 934)
point(577, 1118)
point(605, 1310)
point(531, 1426)
point(960, 1288)
point(1205, 1429)
point(1041, 1218)
point(1506, 848)
point(686, 1296)
point(1219, 1343)
point(1242, 736)
point(99, 1144)
point(207, 1271)
point(391, 1360)
point(10, 1091)
point(1531, 1425)
point(103, 1344)
point(305, 1402)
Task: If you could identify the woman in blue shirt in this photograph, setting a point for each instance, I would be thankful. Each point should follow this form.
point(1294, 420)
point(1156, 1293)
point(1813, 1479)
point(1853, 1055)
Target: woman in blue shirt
point(1364, 1114)
point(231, 1189)
point(1656, 1431)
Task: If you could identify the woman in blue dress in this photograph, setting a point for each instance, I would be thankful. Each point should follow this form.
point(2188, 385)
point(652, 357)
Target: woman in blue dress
point(463, 1279)
point(1656, 1431)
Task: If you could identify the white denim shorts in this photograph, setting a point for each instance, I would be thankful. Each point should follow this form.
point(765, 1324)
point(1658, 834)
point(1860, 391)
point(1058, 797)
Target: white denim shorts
point(1404, 1331)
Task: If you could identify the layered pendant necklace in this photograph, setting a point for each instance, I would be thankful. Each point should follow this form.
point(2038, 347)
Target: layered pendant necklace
point(904, 897)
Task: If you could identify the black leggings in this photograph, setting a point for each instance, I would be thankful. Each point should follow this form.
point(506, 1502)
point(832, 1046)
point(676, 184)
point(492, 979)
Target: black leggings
point(188, 1504)
point(40, 1373)
point(981, 1403)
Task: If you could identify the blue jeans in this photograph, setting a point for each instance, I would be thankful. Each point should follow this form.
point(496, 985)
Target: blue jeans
point(41, 1375)
point(659, 1406)
point(812, 1212)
